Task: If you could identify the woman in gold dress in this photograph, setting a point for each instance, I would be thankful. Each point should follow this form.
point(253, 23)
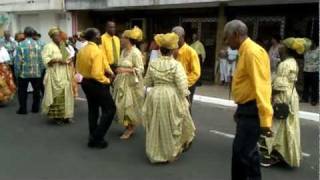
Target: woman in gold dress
point(167, 120)
point(128, 90)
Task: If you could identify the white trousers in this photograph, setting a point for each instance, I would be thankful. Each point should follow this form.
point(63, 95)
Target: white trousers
point(224, 70)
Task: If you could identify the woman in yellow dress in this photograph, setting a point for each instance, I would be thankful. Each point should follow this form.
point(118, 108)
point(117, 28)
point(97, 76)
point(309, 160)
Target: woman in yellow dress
point(285, 145)
point(58, 100)
point(128, 90)
point(167, 120)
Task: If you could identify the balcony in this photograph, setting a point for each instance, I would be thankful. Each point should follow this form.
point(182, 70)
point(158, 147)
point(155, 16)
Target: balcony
point(30, 5)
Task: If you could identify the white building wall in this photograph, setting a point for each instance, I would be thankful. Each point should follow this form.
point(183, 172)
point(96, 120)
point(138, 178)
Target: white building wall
point(41, 22)
point(28, 5)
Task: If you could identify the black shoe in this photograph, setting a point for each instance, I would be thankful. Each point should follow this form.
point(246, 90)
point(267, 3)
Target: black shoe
point(98, 144)
point(267, 162)
point(21, 112)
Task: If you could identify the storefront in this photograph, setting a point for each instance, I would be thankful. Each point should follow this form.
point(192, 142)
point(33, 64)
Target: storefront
point(263, 22)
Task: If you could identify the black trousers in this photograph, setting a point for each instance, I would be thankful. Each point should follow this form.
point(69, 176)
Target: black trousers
point(23, 93)
point(192, 90)
point(245, 154)
point(311, 87)
point(42, 85)
point(98, 97)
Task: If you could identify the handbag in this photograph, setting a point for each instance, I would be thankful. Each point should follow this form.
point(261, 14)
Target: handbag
point(281, 110)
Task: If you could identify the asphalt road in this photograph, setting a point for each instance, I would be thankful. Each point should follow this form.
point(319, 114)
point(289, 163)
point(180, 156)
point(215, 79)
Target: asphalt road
point(33, 149)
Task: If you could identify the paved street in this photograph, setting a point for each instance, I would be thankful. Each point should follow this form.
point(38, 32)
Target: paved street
point(33, 149)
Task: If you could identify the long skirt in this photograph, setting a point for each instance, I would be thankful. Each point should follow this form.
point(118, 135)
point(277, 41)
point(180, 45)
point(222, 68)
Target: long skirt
point(7, 86)
point(168, 124)
point(285, 143)
point(57, 109)
point(128, 96)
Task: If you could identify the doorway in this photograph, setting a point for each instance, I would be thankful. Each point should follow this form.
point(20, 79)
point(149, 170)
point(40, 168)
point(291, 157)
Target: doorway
point(206, 29)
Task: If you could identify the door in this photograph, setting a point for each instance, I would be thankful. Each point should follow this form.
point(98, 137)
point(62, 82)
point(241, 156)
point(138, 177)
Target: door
point(206, 29)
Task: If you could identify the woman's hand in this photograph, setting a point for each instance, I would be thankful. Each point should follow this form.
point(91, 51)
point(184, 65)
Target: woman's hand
point(52, 62)
point(124, 70)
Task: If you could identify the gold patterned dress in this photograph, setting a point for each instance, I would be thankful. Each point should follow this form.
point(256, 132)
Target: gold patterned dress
point(167, 120)
point(58, 100)
point(128, 90)
point(286, 139)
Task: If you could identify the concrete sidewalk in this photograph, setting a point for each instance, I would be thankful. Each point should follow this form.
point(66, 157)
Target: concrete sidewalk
point(223, 92)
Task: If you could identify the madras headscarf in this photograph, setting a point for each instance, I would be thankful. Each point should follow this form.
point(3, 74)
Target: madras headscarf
point(134, 33)
point(169, 40)
point(300, 45)
point(53, 31)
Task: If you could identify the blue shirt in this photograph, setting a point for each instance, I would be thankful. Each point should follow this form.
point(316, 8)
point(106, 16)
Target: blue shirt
point(28, 61)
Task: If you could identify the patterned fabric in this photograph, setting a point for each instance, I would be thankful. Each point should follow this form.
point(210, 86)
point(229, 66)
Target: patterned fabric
point(311, 60)
point(57, 109)
point(28, 61)
point(286, 139)
point(57, 81)
point(167, 120)
point(128, 92)
point(7, 86)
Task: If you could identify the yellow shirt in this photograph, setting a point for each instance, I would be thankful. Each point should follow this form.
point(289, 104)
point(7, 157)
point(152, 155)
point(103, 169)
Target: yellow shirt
point(252, 80)
point(190, 62)
point(91, 63)
point(106, 47)
point(199, 48)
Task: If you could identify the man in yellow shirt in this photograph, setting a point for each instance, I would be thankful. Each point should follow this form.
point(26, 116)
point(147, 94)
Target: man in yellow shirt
point(201, 51)
point(110, 43)
point(251, 89)
point(189, 60)
point(92, 65)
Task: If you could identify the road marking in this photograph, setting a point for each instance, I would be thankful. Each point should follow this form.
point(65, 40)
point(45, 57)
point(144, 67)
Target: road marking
point(231, 136)
point(229, 103)
point(81, 99)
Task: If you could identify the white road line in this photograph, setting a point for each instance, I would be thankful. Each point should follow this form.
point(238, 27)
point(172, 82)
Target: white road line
point(231, 136)
point(229, 103)
point(81, 99)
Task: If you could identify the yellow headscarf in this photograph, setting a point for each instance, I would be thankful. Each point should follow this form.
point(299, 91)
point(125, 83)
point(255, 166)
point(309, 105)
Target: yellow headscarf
point(53, 31)
point(134, 33)
point(169, 40)
point(300, 45)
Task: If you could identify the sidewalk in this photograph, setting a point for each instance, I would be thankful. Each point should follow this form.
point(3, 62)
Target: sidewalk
point(222, 92)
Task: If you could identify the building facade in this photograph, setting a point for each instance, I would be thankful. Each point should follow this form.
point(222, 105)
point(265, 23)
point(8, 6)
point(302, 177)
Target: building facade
point(204, 17)
point(39, 14)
